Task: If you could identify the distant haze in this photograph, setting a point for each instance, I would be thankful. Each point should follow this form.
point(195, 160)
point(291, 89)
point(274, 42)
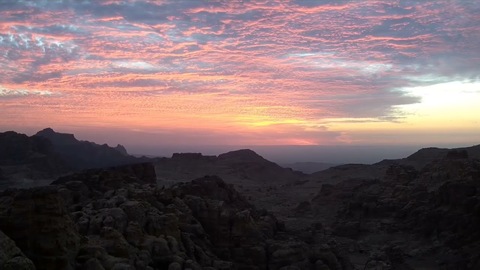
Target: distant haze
point(335, 154)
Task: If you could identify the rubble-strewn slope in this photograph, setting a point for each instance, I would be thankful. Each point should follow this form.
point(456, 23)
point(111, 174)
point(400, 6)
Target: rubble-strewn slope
point(423, 217)
point(119, 219)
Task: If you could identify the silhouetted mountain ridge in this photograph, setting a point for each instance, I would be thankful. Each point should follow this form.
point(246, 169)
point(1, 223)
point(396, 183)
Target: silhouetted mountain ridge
point(26, 161)
point(84, 154)
point(431, 153)
point(28, 157)
point(57, 138)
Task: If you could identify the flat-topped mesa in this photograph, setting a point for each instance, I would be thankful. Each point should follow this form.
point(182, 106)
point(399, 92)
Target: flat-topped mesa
point(57, 138)
point(113, 177)
point(242, 155)
point(180, 156)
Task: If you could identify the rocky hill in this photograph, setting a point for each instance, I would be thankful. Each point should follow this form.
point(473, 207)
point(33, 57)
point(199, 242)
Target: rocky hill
point(421, 212)
point(261, 181)
point(233, 167)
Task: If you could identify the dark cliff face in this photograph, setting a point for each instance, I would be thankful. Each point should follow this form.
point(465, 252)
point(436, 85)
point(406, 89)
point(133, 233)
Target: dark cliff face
point(83, 154)
point(16, 148)
point(35, 160)
point(57, 138)
point(28, 157)
point(242, 155)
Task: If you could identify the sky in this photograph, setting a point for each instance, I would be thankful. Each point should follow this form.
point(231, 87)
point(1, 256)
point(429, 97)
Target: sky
point(267, 72)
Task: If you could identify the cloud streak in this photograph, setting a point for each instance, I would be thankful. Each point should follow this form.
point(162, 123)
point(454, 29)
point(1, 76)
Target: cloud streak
point(270, 65)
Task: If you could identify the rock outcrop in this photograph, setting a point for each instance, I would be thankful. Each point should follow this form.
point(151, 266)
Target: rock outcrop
point(118, 218)
point(39, 223)
point(11, 257)
point(425, 218)
point(113, 177)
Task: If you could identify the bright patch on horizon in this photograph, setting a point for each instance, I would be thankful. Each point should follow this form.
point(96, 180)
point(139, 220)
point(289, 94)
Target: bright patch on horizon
point(447, 94)
point(456, 101)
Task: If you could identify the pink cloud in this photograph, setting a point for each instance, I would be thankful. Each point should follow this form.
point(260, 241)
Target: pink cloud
point(210, 64)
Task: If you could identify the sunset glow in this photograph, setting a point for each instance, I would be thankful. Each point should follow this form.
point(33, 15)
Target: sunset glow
point(264, 72)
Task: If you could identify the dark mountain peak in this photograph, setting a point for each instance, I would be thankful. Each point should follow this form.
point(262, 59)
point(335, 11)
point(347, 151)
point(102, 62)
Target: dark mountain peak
point(242, 155)
point(120, 148)
point(19, 152)
point(57, 138)
point(47, 131)
point(84, 154)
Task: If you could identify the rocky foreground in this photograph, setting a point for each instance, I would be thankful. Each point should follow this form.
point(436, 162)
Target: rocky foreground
point(422, 212)
point(119, 218)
